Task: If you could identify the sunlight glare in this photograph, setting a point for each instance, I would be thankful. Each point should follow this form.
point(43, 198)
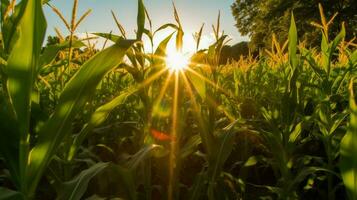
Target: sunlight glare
point(177, 61)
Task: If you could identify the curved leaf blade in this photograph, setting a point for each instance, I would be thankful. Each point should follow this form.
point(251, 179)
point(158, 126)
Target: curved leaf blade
point(75, 188)
point(74, 96)
point(348, 151)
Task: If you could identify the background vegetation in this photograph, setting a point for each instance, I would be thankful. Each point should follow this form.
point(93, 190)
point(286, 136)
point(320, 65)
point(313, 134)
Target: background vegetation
point(261, 19)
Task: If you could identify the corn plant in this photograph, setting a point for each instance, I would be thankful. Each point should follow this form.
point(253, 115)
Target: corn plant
point(27, 162)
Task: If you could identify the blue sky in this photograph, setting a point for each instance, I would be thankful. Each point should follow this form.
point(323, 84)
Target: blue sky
point(192, 14)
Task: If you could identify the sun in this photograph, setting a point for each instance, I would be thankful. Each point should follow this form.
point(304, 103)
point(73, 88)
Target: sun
point(177, 61)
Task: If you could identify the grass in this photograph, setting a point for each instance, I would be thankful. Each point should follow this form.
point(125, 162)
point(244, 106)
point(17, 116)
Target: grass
point(77, 122)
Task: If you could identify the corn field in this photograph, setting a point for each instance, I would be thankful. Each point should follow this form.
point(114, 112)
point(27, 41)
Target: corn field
point(119, 122)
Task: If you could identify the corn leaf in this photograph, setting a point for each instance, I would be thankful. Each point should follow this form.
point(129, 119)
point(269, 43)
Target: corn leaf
point(74, 96)
point(75, 188)
point(161, 49)
point(50, 52)
point(140, 20)
point(144, 153)
point(292, 43)
point(165, 26)
point(223, 148)
point(109, 36)
point(97, 118)
point(21, 70)
point(180, 33)
point(348, 151)
point(198, 84)
point(7, 194)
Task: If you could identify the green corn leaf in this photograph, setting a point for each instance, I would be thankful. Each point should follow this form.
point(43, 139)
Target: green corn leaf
point(293, 43)
point(75, 188)
point(97, 118)
point(160, 52)
point(198, 84)
point(198, 186)
point(190, 146)
point(313, 63)
point(127, 177)
point(199, 36)
point(7, 194)
point(109, 36)
point(353, 58)
point(295, 133)
point(180, 33)
point(21, 70)
point(179, 39)
point(252, 160)
point(74, 96)
point(223, 148)
point(303, 173)
point(165, 26)
point(142, 155)
point(24, 59)
point(161, 49)
point(3, 7)
point(51, 52)
point(140, 20)
point(217, 160)
point(338, 39)
point(325, 54)
point(348, 151)
point(328, 49)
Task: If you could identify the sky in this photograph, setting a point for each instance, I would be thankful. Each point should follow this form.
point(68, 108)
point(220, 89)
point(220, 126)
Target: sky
point(192, 14)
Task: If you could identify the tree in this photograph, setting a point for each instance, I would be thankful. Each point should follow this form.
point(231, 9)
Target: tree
point(52, 40)
point(260, 19)
point(234, 52)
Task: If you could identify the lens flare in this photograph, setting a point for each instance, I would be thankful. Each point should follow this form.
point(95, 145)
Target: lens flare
point(177, 61)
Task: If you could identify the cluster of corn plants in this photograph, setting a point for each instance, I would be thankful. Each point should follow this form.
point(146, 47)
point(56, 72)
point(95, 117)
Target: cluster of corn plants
point(81, 123)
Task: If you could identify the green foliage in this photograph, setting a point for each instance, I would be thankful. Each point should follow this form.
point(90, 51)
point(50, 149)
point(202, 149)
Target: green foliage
point(74, 189)
point(74, 96)
point(348, 151)
point(260, 19)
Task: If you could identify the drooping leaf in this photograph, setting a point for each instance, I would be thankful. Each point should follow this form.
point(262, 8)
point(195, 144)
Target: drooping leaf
point(142, 155)
point(74, 96)
point(75, 188)
point(97, 118)
point(165, 26)
point(109, 36)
